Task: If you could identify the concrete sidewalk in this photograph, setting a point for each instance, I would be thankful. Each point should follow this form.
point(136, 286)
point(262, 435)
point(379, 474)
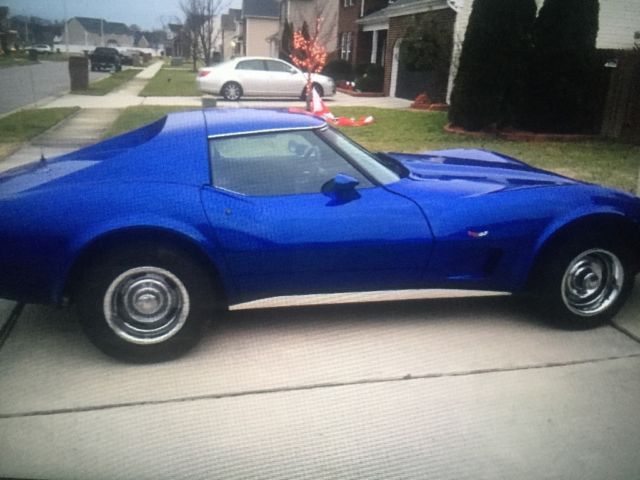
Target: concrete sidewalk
point(127, 99)
point(83, 128)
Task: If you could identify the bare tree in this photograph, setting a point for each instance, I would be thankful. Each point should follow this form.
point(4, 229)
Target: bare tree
point(200, 27)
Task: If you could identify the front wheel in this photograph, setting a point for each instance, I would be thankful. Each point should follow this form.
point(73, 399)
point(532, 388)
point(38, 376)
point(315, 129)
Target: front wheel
point(145, 304)
point(587, 283)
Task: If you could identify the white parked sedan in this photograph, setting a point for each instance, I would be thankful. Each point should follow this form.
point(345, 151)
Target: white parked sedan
point(40, 48)
point(259, 77)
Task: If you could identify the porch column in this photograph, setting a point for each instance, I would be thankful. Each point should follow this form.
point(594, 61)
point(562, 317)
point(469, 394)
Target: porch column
point(374, 47)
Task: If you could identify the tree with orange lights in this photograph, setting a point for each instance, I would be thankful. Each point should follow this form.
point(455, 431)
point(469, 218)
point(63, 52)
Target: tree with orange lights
point(309, 55)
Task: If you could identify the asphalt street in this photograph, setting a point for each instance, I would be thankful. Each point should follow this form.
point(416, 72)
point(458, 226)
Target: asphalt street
point(447, 388)
point(27, 84)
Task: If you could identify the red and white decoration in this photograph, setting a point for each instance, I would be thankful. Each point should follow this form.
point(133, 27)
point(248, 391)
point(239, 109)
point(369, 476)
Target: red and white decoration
point(320, 109)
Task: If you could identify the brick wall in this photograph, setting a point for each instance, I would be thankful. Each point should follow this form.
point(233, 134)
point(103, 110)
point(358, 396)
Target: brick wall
point(445, 21)
point(347, 17)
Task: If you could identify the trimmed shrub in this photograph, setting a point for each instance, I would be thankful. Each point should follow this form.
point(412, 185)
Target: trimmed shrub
point(372, 80)
point(339, 70)
point(286, 41)
point(493, 64)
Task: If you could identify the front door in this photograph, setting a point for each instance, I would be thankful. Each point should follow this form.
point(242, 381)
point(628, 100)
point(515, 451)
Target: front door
point(280, 235)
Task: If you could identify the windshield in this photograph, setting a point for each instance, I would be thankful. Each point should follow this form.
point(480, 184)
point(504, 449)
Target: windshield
point(365, 159)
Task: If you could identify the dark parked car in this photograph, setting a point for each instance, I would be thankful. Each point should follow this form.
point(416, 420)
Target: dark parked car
point(105, 58)
point(152, 232)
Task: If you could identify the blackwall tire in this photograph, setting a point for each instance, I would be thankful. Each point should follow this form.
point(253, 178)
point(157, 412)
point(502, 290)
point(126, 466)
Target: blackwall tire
point(232, 91)
point(584, 283)
point(145, 304)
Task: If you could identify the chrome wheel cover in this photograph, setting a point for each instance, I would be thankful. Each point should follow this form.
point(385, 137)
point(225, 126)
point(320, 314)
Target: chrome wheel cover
point(232, 91)
point(146, 305)
point(592, 282)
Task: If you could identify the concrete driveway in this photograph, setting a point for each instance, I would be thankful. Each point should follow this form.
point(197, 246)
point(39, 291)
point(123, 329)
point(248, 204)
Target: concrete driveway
point(448, 388)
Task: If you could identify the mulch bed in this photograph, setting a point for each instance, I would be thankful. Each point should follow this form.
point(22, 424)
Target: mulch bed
point(520, 135)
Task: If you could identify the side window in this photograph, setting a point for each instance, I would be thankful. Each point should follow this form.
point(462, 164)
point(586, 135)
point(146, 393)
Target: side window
point(286, 163)
point(251, 65)
point(275, 66)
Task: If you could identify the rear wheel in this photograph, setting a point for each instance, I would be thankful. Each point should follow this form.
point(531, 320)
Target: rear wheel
point(317, 87)
point(145, 304)
point(232, 91)
point(583, 283)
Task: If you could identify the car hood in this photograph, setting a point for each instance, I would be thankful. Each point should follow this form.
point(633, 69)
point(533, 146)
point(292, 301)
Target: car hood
point(470, 172)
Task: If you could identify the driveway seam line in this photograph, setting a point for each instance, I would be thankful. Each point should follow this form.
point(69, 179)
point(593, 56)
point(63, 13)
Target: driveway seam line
point(6, 329)
point(318, 386)
point(626, 332)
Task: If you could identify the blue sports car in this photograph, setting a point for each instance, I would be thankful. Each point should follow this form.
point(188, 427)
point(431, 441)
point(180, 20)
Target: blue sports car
point(151, 232)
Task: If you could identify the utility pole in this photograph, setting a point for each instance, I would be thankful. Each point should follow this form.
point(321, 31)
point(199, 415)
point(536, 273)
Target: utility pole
point(102, 32)
point(66, 29)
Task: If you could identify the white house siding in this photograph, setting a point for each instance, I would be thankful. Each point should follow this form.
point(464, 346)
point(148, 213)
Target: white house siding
point(258, 34)
point(619, 20)
point(79, 37)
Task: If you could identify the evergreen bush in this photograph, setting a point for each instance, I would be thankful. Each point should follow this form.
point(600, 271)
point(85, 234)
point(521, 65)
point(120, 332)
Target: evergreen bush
point(493, 64)
point(372, 80)
point(339, 70)
point(564, 71)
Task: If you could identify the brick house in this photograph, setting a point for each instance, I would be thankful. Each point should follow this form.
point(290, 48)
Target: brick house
point(356, 45)
point(381, 35)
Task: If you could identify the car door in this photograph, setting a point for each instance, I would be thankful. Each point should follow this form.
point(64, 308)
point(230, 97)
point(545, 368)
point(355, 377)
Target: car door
point(253, 77)
point(281, 235)
point(284, 79)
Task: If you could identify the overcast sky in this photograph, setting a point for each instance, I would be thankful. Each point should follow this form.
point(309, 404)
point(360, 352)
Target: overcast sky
point(147, 14)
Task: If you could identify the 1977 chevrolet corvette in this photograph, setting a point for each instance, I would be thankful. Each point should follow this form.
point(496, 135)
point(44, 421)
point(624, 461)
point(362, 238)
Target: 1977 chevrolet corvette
point(148, 233)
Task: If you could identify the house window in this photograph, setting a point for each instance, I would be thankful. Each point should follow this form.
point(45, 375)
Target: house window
point(346, 45)
point(347, 3)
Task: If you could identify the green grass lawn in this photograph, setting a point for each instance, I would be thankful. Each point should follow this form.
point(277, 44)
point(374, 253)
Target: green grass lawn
point(14, 61)
point(26, 124)
point(609, 163)
point(104, 86)
point(134, 117)
point(172, 82)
